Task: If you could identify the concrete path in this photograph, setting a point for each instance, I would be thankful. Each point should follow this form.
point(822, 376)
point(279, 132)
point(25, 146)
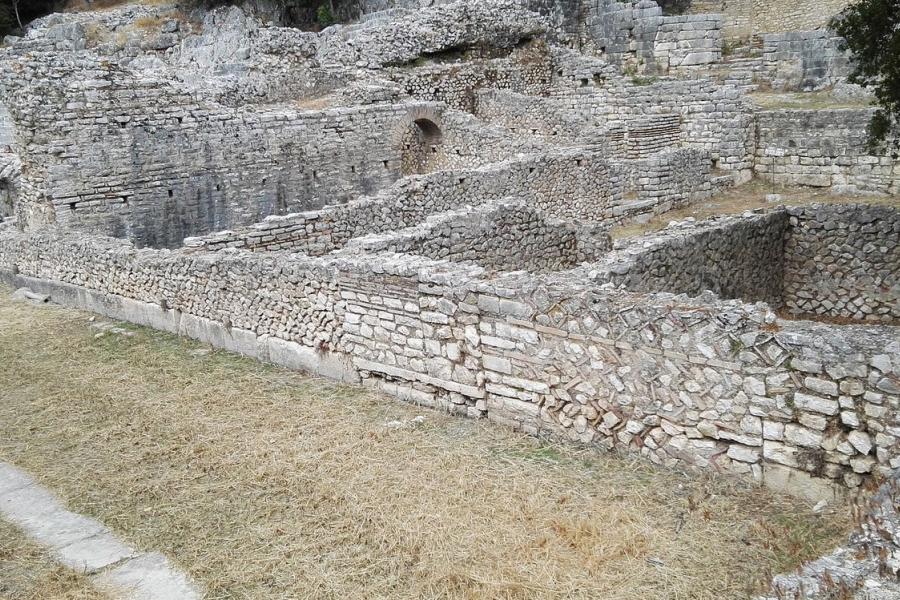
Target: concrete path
point(86, 546)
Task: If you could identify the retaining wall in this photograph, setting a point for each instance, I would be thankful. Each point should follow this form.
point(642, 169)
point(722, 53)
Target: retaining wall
point(804, 60)
point(503, 236)
point(844, 262)
point(822, 148)
point(700, 382)
point(569, 184)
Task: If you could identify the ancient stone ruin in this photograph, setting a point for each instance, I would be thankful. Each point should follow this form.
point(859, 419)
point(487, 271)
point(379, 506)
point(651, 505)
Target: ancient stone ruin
point(420, 201)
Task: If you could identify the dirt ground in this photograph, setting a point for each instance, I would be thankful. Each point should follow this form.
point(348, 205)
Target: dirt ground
point(746, 197)
point(268, 484)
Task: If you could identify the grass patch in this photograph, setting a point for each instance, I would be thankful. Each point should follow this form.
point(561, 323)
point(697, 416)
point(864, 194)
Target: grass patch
point(27, 573)
point(804, 100)
point(264, 483)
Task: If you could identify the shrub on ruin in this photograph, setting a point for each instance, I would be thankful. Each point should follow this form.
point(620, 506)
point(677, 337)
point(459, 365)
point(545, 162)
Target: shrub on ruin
point(324, 16)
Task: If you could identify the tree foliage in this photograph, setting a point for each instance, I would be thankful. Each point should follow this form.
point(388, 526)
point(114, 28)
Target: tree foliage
point(27, 11)
point(871, 29)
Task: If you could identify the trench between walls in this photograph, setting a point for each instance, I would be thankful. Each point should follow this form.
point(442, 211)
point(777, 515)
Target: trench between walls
point(395, 382)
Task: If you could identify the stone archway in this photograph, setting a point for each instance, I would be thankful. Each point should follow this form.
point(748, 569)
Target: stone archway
point(7, 199)
point(10, 172)
point(422, 146)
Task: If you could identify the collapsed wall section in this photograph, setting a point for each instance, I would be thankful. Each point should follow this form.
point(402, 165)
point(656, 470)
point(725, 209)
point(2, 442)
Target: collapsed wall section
point(526, 70)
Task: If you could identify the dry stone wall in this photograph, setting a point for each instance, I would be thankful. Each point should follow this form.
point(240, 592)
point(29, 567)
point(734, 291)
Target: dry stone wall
point(526, 70)
point(567, 184)
point(703, 382)
point(636, 35)
point(804, 60)
point(843, 261)
point(822, 148)
point(734, 258)
point(504, 236)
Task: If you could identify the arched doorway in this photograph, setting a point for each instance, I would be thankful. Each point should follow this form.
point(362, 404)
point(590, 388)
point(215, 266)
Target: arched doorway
point(7, 199)
point(422, 147)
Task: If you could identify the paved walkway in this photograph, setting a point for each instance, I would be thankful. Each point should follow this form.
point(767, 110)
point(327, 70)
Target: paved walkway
point(85, 545)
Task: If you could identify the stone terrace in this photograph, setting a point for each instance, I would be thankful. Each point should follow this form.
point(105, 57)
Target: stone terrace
point(427, 214)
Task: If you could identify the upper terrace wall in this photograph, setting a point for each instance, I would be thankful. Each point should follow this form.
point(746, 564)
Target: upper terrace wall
point(700, 382)
point(804, 60)
point(822, 148)
point(570, 184)
point(636, 34)
point(504, 236)
point(798, 15)
point(715, 119)
point(844, 262)
point(744, 18)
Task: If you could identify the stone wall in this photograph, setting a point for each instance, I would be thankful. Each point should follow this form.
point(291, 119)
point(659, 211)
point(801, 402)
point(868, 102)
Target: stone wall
point(822, 148)
point(734, 258)
point(7, 132)
point(843, 261)
point(803, 61)
point(798, 15)
point(526, 70)
point(504, 236)
point(636, 35)
point(671, 179)
point(687, 42)
point(712, 118)
point(529, 114)
point(700, 382)
point(744, 18)
point(737, 16)
point(867, 567)
point(568, 184)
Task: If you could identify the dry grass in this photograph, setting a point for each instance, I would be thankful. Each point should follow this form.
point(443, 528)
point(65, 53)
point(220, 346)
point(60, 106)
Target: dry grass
point(27, 573)
point(264, 483)
point(747, 197)
point(804, 100)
